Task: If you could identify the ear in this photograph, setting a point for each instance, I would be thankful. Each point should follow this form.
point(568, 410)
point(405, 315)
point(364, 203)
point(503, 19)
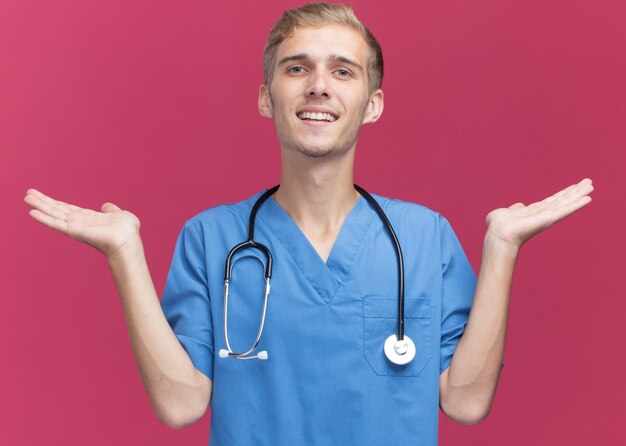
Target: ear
point(265, 102)
point(374, 107)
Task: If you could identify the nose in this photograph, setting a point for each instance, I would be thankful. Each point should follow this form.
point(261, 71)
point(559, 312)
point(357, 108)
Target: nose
point(318, 86)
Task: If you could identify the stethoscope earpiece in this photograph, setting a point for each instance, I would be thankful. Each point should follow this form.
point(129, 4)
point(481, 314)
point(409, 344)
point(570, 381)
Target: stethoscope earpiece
point(262, 355)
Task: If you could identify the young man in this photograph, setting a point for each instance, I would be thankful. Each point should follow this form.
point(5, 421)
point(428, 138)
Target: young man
point(334, 290)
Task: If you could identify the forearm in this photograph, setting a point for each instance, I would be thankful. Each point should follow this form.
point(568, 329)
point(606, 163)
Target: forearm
point(469, 385)
point(178, 392)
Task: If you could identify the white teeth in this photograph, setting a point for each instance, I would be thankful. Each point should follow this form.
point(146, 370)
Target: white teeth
point(316, 116)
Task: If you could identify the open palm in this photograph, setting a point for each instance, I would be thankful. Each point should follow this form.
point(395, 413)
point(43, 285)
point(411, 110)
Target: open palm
point(107, 231)
point(518, 223)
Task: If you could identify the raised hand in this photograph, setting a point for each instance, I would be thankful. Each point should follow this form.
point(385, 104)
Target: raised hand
point(518, 223)
point(108, 231)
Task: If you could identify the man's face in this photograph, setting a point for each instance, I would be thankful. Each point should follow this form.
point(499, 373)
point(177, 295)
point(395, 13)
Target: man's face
point(319, 96)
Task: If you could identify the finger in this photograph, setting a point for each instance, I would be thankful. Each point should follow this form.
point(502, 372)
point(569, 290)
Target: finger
point(581, 185)
point(582, 189)
point(563, 192)
point(559, 194)
point(43, 206)
point(52, 201)
point(65, 207)
point(560, 202)
point(568, 209)
point(517, 206)
point(51, 222)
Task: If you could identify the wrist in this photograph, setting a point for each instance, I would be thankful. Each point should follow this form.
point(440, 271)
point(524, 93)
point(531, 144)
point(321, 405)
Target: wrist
point(495, 244)
point(131, 249)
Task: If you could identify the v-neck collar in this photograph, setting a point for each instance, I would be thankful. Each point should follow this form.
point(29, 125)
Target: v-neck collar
point(327, 278)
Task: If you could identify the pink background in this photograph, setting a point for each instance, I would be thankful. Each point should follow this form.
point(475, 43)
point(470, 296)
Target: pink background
point(152, 105)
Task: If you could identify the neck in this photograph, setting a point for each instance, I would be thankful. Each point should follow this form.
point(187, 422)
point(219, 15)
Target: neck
point(317, 192)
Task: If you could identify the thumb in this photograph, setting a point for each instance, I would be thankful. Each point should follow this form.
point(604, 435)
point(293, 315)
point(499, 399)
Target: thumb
point(517, 206)
point(109, 207)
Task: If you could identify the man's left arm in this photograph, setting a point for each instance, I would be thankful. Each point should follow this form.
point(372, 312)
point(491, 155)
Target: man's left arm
point(468, 386)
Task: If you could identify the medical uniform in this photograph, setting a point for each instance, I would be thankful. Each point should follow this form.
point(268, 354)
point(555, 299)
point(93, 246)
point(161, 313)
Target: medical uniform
point(327, 380)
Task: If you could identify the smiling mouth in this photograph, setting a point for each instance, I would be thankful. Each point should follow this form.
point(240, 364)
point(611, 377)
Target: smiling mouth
point(313, 116)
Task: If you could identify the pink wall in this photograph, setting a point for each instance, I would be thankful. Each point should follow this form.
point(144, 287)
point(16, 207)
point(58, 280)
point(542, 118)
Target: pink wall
point(152, 105)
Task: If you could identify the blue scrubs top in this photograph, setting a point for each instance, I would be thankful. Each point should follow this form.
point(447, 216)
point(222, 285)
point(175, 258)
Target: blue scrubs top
point(327, 380)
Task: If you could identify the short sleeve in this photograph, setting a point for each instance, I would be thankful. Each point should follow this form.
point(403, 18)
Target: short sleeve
point(459, 284)
point(186, 302)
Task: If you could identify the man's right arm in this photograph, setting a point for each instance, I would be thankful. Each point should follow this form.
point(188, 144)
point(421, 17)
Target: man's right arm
point(179, 393)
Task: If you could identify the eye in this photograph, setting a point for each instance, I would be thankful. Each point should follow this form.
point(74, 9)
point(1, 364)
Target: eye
point(342, 72)
point(296, 69)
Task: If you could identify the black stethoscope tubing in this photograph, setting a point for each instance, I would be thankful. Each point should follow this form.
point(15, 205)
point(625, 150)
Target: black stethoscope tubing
point(399, 257)
point(251, 243)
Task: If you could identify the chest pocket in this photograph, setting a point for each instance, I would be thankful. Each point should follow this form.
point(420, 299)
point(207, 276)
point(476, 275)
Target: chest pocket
point(380, 320)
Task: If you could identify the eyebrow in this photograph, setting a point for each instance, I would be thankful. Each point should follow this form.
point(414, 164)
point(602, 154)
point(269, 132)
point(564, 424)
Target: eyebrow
point(333, 57)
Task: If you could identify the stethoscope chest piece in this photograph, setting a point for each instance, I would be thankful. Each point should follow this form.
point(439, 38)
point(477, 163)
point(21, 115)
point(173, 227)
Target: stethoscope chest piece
point(399, 352)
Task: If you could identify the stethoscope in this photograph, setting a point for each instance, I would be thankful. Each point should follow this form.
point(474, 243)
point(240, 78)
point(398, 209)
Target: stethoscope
point(398, 347)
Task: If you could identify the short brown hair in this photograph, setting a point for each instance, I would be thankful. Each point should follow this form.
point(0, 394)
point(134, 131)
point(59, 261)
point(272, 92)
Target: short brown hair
point(315, 14)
